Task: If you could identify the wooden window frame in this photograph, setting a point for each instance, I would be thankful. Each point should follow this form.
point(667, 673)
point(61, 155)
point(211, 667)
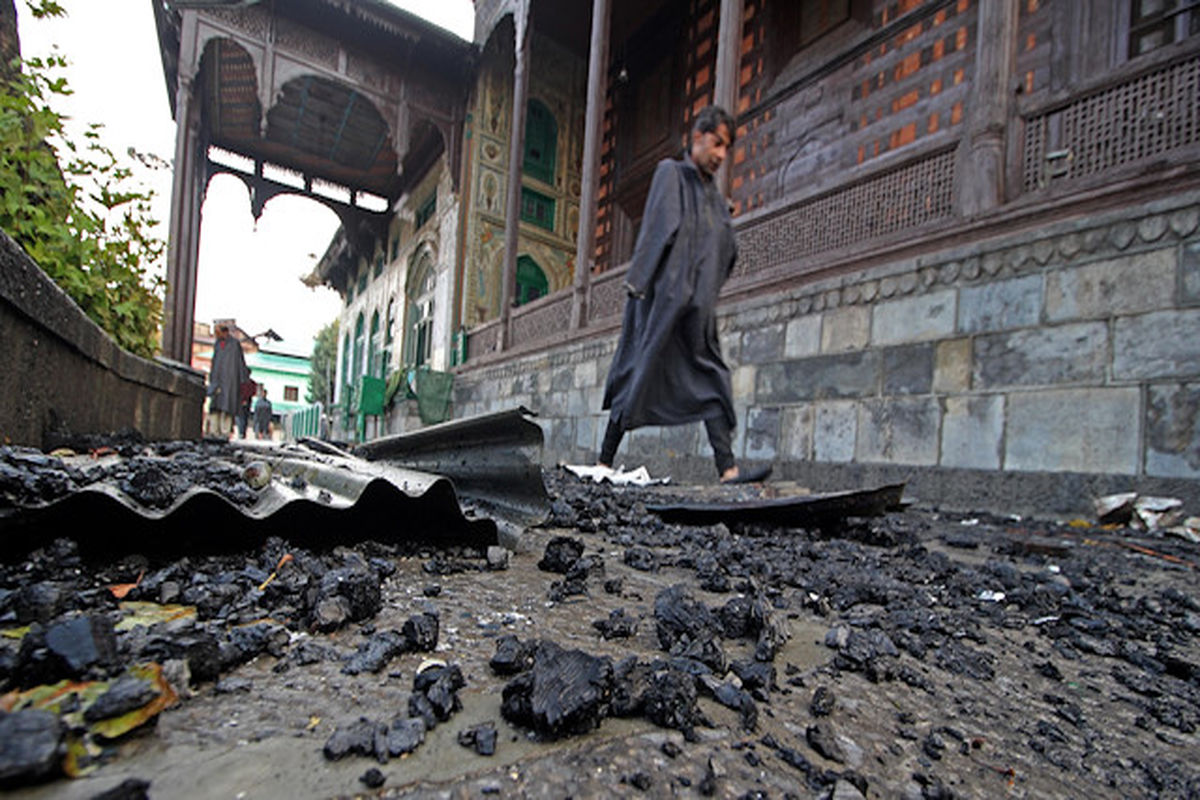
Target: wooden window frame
point(1182, 11)
point(375, 365)
point(356, 360)
point(422, 287)
point(426, 211)
point(533, 199)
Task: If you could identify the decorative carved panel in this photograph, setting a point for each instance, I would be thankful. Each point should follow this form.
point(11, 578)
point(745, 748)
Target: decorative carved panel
point(483, 340)
point(491, 193)
point(367, 71)
point(312, 46)
point(253, 20)
point(542, 320)
point(607, 296)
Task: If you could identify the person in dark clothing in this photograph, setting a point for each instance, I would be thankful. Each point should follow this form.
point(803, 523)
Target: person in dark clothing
point(242, 420)
point(668, 369)
point(225, 378)
point(262, 415)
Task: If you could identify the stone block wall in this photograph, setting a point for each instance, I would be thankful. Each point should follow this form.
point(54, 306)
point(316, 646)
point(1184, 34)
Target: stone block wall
point(1026, 371)
point(61, 374)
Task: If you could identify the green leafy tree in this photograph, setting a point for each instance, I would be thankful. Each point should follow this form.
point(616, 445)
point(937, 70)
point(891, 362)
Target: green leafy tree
point(323, 366)
point(72, 207)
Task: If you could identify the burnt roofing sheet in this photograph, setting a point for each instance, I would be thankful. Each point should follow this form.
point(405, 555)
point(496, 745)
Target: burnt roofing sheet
point(181, 495)
point(795, 511)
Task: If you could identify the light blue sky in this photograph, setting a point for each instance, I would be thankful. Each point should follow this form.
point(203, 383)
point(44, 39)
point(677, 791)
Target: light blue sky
point(247, 271)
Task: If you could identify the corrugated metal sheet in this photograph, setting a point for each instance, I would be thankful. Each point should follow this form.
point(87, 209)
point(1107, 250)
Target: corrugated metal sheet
point(319, 494)
point(494, 460)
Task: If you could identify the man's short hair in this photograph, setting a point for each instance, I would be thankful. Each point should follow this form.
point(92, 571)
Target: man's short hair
point(711, 118)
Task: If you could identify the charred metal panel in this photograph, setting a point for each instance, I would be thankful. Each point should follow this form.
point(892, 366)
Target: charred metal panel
point(805, 511)
point(494, 461)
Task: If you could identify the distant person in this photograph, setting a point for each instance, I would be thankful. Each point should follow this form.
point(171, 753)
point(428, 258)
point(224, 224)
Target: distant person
point(262, 415)
point(242, 420)
point(668, 368)
point(225, 380)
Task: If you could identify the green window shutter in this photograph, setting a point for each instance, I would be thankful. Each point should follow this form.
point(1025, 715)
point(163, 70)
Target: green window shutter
point(541, 142)
point(537, 209)
point(531, 281)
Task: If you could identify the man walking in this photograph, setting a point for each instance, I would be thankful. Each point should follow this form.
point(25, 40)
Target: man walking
point(225, 379)
point(668, 368)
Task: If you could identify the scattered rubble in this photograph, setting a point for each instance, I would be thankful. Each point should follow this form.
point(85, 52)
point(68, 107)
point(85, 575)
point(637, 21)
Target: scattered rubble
point(905, 655)
point(1143, 513)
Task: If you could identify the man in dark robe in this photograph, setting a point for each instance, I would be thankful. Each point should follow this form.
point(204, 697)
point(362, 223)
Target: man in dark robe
point(225, 379)
point(668, 368)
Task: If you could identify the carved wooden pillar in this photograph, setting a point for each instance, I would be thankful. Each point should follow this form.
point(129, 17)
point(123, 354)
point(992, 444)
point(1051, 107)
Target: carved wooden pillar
point(516, 154)
point(198, 154)
point(593, 121)
point(981, 182)
point(729, 49)
point(182, 243)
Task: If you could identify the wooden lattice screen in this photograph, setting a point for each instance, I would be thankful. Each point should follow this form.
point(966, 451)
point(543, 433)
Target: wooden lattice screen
point(913, 195)
point(1140, 119)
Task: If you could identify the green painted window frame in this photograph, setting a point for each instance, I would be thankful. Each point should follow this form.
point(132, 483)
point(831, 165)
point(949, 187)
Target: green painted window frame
point(537, 208)
point(531, 281)
point(541, 143)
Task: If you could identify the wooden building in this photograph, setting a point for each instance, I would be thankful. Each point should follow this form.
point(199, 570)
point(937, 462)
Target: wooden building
point(969, 252)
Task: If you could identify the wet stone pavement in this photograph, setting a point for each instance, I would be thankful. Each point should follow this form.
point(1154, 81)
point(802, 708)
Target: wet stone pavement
point(920, 654)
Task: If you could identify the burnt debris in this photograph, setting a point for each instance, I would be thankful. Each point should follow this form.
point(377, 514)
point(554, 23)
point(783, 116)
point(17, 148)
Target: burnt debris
point(878, 656)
